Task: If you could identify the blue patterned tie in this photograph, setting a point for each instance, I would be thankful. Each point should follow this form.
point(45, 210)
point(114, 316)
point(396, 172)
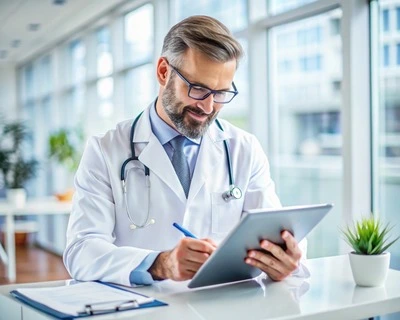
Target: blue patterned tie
point(180, 163)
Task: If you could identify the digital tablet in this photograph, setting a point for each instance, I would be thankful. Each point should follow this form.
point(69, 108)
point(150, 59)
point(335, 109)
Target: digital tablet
point(226, 264)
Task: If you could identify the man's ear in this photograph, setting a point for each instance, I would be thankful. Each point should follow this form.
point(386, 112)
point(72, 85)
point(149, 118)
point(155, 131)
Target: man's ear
point(162, 71)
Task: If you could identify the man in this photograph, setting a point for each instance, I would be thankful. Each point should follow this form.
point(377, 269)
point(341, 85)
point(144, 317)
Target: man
point(127, 237)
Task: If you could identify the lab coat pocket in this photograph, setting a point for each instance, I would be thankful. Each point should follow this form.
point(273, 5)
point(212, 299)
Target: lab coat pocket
point(225, 214)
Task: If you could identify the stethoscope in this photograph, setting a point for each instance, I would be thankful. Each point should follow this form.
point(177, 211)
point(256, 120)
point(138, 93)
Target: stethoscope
point(234, 192)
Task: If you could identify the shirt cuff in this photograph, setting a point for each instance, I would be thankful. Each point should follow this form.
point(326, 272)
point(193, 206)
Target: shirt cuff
point(140, 275)
point(302, 270)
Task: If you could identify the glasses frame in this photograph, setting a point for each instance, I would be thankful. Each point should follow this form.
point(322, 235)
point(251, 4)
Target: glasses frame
point(210, 91)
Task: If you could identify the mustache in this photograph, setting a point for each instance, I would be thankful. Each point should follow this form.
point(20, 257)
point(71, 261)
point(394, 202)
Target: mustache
point(197, 111)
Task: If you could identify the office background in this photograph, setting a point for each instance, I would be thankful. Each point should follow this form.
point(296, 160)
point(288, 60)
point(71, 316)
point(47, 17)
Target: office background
point(318, 87)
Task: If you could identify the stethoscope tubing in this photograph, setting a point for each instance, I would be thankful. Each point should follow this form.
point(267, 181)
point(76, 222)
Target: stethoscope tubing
point(227, 195)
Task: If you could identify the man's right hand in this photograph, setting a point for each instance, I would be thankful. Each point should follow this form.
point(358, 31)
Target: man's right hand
point(183, 261)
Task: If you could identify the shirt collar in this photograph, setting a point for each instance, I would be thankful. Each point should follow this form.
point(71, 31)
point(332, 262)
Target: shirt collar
point(162, 130)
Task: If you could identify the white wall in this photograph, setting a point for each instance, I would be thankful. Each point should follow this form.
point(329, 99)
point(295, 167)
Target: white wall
point(8, 91)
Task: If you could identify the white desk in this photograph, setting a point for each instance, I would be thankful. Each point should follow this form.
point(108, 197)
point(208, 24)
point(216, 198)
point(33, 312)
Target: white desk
point(40, 206)
point(329, 293)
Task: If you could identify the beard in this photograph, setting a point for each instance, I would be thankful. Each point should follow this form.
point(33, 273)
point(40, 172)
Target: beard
point(177, 112)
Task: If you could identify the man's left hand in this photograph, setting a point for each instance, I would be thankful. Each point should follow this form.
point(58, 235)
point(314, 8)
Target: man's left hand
point(277, 263)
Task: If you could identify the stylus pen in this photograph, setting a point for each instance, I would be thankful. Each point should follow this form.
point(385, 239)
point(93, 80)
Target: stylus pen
point(184, 231)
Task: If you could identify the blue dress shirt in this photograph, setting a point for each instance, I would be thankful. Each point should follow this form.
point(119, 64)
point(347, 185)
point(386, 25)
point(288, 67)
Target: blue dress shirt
point(164, 134)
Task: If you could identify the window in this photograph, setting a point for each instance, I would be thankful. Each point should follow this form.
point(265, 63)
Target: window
point(312, 63)
point(77, 55)
point(309, 36)
point(37, 102)
point(237, 111)
point(139, 35)
point(28, 82)
point(223, 10)
point(386, 128)
point(139, 79)
point(335, 26)
point(139, 89)
point(45, 76)
point(385, 20)
point(398, 54)
point(279, 6)
point(398, 18)
point(104, 56)
point(285, 66)
point(386, 56)
point(105, 84)
point(306, 130)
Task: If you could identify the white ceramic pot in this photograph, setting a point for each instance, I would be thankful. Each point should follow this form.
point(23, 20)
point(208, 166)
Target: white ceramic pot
point(16, 197)
point(369, 270)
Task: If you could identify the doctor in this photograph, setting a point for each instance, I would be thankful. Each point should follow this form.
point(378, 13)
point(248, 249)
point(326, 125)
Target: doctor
point(168, 165)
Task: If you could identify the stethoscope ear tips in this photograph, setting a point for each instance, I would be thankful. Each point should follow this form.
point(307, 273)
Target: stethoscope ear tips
point(132, 226)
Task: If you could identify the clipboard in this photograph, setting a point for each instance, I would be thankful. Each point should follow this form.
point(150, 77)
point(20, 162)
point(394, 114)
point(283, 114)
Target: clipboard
point(50, 300)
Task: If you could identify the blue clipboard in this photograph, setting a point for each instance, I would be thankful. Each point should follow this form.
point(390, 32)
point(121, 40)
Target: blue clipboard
point(123, 306)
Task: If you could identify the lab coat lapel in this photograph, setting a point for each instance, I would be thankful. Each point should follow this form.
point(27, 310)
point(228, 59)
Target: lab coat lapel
point(211, 152)
point(152, 154)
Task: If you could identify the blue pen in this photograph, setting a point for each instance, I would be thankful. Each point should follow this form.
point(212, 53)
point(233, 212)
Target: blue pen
point(184, 231)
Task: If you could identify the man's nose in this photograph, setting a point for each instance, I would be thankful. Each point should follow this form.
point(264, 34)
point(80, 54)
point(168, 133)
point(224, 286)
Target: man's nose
point(207, 105)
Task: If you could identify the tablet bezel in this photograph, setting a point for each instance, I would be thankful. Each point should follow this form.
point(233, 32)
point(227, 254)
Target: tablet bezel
point(227, 264)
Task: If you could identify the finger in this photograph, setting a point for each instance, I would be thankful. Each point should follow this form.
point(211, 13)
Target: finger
point(266, 261)
point(184, 252)
point(292, 247)
point(191, 267)
point(274, 249)
point(286, 259)
point(199, 245)
point(197, 257)
point(212, 242)
point(271, 272)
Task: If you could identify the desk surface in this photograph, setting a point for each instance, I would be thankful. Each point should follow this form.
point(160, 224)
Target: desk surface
point(329, 293)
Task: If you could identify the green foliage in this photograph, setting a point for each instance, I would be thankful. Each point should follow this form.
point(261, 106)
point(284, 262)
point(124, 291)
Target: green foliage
point(65, 146)
point(15, 169)
point(368, 236)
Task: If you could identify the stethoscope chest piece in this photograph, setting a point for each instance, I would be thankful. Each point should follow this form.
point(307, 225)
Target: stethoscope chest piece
point(233, 193)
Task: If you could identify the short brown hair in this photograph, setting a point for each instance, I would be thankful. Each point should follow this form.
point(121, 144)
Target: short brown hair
point(202, 33)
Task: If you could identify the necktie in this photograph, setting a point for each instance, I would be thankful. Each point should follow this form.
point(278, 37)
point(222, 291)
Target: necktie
point(180, 163)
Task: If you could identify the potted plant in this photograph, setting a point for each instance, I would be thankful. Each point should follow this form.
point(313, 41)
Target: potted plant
point(16, 170)
point(369, 261)
point(65, 147)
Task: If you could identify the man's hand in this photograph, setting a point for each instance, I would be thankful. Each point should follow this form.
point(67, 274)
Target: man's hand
point(277, 263)
point(183, 261)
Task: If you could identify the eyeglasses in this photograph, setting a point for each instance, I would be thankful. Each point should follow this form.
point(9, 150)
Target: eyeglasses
point(200, 93)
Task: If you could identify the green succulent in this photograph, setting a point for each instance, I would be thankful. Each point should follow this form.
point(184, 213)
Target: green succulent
point(368, 236)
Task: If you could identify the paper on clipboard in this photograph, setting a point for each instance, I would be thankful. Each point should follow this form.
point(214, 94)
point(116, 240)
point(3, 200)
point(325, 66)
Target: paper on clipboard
point(72, 299)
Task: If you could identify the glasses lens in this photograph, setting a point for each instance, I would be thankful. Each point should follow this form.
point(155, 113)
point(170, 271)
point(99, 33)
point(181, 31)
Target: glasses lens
point(201, 93)
point(223, 96)
point(198, 92)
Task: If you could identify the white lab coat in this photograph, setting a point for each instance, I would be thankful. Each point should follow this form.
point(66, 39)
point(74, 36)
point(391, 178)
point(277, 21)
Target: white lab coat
point(100, 244)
